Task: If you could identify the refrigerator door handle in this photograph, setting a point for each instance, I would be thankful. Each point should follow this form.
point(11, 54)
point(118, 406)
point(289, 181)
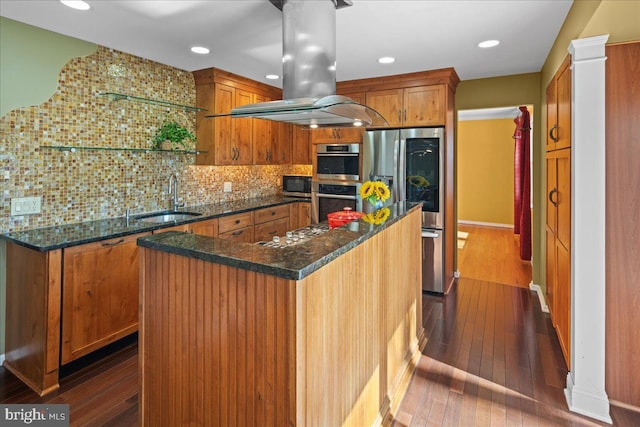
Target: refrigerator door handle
point(431, 234)
point(402, 180)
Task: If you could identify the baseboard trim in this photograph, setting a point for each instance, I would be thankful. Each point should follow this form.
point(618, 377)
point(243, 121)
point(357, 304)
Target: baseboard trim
point(592, 405)
point(624, 405)
point(543, 304)
point(485, 224)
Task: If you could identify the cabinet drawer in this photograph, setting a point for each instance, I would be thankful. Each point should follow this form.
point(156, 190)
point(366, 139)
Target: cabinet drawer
point(269, 214)
point(235, 222)
point(266, 231)
point(241, 235)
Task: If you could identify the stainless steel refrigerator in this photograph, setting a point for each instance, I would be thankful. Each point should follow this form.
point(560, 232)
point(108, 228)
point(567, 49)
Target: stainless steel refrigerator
point(411, 163)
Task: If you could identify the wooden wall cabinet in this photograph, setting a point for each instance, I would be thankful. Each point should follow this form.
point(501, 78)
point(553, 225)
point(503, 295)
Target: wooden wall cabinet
point(301, 153)
point(559, 108)
point(558, 205)
point(99, 295)
point(413, 106)
point(230, 141)
point(336, 135)
point(271, 140)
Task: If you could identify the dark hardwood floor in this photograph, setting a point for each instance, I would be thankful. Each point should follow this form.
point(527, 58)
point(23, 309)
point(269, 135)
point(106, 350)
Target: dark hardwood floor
point(492, 358)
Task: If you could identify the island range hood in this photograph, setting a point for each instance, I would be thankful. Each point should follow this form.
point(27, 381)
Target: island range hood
point(309, 72)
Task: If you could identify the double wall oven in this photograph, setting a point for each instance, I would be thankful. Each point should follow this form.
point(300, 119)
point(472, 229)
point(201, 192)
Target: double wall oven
point(337, 180)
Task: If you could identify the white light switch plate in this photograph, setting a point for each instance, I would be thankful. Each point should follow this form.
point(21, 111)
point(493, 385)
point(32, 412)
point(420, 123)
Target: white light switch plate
point(25, 205)
point(227, 187)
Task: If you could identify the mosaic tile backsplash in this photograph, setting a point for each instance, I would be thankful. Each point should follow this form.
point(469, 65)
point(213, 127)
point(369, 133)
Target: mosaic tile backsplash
point(87, 185)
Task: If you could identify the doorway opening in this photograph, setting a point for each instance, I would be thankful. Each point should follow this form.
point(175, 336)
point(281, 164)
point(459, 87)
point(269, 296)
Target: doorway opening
point(488, 249)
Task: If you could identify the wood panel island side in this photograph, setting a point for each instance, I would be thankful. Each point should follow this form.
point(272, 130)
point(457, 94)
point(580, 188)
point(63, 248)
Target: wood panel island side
point(326, 332)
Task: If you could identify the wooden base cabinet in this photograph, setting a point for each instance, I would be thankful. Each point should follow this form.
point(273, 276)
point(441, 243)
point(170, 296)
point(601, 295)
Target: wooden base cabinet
point(99, 295)
point(65, 303)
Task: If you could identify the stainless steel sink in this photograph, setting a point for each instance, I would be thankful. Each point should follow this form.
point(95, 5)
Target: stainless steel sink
point(167, 216)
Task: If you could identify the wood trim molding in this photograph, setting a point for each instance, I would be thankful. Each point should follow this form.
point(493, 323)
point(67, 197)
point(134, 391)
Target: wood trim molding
point(446, 76)
point(216, 75)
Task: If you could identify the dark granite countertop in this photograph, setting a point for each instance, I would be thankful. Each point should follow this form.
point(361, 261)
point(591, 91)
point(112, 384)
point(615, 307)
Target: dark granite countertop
point(291, 262)
point(63, 236)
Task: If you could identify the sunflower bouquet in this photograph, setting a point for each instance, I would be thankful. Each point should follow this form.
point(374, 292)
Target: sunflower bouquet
point(377, 217)
point(374, 191)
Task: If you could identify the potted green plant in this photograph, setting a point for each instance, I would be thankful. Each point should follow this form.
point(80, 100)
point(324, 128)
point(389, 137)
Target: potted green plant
point(173, 136)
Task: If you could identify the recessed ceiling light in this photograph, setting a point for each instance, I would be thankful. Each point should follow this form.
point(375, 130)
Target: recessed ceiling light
point(386, 60)
point(199, 49)
point(272, 76)
point(489, 43)
point(76, 4)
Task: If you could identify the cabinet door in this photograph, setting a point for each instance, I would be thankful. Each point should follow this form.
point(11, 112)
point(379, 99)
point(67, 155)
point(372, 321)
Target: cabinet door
point(424, 106)
point(563, 224)
point(550, 260)
point(205, 228)
point(323, 135)
point(563, 93)
point(266, 231)
point(349, 135)
point(100, 295)
point(234, 222)
point(562, 313)
point(270, 214)
point(552, 116)
point(552, 193)
point(388, 103)
point(223, 128)
point(300, 146)
point(304, 214)
point(243, 131)
point(262, 137)
point(205, 128)
point(244, 235)
point(281, 144)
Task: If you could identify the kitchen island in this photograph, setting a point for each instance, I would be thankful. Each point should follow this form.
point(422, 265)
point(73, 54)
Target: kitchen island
point(325, 332)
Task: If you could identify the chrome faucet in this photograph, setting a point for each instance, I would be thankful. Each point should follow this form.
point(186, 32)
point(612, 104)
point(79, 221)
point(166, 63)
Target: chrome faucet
point(173, 187)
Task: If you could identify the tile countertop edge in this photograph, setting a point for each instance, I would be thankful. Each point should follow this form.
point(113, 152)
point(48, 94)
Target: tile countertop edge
point(112, 228)
point(295, 262)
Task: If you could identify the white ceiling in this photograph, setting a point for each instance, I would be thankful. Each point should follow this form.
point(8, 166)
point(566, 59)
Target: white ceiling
point(245, 36)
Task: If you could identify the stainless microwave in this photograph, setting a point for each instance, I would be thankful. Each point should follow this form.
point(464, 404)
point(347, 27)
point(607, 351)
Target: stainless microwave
point(296, 186)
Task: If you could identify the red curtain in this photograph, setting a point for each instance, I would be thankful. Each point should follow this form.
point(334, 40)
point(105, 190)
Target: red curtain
point(522, 184)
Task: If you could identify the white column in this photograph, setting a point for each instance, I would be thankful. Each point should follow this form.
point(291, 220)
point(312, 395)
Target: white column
point(585, 392)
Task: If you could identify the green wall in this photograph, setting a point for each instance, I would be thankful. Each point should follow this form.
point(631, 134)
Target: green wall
point(30, 61)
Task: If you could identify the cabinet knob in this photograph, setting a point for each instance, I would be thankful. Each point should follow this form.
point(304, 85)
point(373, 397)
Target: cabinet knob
point(551, 135)
point(551, 193)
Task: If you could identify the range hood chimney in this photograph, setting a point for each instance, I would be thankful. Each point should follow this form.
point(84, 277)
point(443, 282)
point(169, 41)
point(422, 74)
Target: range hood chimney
point(309, 72)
